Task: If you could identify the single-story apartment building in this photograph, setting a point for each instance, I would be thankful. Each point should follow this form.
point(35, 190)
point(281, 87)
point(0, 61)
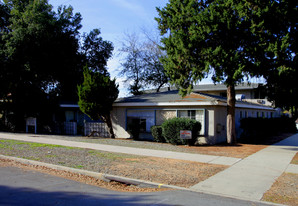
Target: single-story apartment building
point(210, 110)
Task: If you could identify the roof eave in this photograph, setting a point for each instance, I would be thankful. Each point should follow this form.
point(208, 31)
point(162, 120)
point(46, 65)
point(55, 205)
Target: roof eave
point(149, 104)
point(169, 104)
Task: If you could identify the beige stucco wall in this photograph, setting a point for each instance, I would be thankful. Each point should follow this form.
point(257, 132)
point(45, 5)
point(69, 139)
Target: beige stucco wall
point(162, 115)
point(220, 124)
point(118, 121)
point(215, 120)
point(171, 112)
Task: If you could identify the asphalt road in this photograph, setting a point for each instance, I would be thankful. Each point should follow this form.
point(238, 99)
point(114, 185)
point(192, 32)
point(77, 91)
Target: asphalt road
point(26, 187)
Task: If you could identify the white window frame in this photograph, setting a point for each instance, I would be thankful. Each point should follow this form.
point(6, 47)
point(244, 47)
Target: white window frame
point(202, 132)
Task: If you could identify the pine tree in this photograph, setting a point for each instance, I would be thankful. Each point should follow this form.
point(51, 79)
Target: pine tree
point(96, 96)
point(230, 39)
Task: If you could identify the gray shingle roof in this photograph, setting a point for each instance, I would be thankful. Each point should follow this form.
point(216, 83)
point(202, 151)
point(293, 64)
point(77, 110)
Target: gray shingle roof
point(212, 87)
point(170, 96)
point(173, 97)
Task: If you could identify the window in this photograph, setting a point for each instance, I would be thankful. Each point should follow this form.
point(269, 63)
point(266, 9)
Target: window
point(245, 114)
point(191, 114)
point(198, 115)
point(146, 118)
point(241, 115)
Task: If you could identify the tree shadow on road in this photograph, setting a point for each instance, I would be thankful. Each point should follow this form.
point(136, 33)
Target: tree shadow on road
point(26, 196)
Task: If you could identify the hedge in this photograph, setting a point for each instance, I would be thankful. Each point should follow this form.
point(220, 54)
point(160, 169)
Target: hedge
point(171, 130)
point(260, 128)
point(157, 134)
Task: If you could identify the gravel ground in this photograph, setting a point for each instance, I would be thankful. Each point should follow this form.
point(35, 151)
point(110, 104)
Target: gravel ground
point(80, 178)
point(295, 159)
point(166, 171)
point(284, 190)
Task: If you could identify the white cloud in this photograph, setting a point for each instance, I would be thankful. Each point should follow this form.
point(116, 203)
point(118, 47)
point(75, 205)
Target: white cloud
point(132, 6)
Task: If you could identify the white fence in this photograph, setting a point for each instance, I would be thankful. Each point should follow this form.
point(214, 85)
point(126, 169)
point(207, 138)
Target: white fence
point(90, 129)
point(96, 129)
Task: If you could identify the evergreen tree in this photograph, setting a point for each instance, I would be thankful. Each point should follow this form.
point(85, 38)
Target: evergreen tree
point(96, 51)
point(282, 77)
point(39, 58)
point(97, 95)
point(231, 39)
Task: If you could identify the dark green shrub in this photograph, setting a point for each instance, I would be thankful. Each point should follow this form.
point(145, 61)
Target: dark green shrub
point(157, 134)
point(257, 129)
point(171, 130)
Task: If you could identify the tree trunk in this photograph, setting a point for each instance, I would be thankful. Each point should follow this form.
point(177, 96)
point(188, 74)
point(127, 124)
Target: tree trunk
point(231, 101)
point(107, 119)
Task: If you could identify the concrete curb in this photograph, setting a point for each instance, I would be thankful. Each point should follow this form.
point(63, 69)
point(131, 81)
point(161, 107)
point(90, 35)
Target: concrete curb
point(107, 177)
point(97, 175)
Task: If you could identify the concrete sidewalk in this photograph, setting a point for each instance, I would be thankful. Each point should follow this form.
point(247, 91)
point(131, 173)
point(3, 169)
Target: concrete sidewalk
point(211, 159)
point(254, 175)
point(247, 178)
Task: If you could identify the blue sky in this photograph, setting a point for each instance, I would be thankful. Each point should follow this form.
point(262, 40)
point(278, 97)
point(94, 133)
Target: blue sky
point(114, 18)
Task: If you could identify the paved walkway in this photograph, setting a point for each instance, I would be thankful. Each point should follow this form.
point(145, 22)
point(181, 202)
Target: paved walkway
point(247, 178)
point(211, 159)
point(251, 177)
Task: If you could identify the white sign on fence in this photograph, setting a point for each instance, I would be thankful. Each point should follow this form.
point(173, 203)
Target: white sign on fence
point(185, 134)
point(31, 121)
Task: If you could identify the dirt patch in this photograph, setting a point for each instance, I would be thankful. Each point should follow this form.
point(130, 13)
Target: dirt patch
point(237, 151)
point(160, 170)
point(284, 190)
point(295, 159)
point(116, 186)
point(240, 150)
point(166, 171)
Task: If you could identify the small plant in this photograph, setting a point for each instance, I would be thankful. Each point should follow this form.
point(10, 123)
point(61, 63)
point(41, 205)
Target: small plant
point(78, 166)
point(157, 134)
point(171, 130)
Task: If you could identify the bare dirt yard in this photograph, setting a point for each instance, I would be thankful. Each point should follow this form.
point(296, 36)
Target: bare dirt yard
point(165, 171)
point(241, 150)
point(79, 178)
point(295, 159)
point(284, 190)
